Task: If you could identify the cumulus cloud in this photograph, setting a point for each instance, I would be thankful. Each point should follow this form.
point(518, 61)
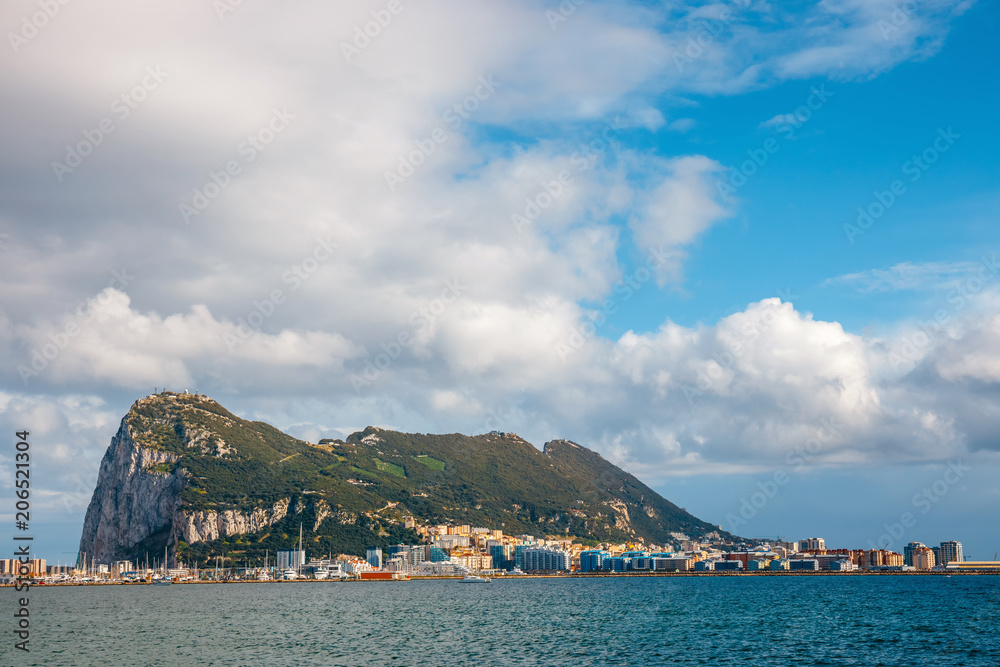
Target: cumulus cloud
point(108, 341)
point(678, 210)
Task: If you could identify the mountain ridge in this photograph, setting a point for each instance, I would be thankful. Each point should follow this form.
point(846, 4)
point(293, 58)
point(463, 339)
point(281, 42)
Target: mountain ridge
point(186, 474)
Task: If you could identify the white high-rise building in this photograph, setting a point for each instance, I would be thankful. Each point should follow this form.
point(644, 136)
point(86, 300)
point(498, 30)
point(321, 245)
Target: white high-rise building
point(545, 558)
point(950, 552)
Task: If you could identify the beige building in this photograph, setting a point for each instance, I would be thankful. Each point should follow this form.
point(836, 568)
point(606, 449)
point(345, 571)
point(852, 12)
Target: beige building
point(881, 558)
point(12, 567)
point(813, 544)
point(475, 561)
point(923, 559)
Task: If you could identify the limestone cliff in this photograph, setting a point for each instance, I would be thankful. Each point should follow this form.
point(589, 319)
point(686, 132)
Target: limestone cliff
point(137, 506)
point(133, 500)
point(207, 525)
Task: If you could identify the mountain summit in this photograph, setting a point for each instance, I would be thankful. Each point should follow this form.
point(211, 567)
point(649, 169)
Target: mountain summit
point(184, 473)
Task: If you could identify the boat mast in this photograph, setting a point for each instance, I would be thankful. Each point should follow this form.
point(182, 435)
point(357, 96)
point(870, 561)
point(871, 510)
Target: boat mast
point(298, 556)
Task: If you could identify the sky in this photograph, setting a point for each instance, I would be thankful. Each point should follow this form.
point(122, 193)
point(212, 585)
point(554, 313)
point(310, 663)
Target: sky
point(747, 251)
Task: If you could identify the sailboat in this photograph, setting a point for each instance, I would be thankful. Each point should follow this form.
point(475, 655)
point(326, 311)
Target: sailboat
point(164, 580)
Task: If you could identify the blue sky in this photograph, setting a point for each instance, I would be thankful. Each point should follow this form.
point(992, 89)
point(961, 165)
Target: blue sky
point(760, 322)
point(787, 229)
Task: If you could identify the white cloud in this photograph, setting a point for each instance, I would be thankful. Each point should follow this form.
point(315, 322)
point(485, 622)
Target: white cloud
point(909, 276)
point(682, 207)
point(108, 341)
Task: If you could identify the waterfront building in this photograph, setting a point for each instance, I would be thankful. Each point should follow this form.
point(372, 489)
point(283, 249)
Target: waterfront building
point(357, 566)
point(728, 566)
point(803, 564)
point(545, 559)
point(908, 551)
point(880, 558)
point(593, 560)
point(374, 557)
point(436, 555)
point(975, 566)
point(291, 559)
point(474, 562)
point(950, 552)
point(705, 565)
point(842, 566)
point(756, 565)
point(922, 559)
point(617, 564)
point(439, 569)
point(673, 564)
point(642, 562)
point(827, 560)
point(519, 550)
point(502, 555)
point(12, 567)
point(780, 564)
point(395, 564)
point(742, 556)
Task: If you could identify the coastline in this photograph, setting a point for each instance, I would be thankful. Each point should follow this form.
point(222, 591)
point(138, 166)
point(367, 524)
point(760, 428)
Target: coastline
point(533, 576)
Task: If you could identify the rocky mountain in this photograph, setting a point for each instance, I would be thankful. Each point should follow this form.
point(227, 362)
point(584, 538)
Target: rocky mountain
point(184, 473)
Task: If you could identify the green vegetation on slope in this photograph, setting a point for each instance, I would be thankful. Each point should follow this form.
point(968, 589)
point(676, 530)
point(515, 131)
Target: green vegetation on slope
point(496, 481)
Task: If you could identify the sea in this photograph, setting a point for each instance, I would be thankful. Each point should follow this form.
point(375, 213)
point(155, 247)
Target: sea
point(696, 620)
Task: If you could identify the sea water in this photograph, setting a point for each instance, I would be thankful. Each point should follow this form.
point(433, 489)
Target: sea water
point(699, 620)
